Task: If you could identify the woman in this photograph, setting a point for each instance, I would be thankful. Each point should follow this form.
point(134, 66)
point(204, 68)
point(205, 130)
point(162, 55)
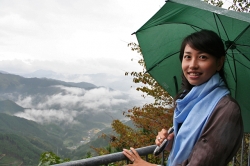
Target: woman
point(208, 127)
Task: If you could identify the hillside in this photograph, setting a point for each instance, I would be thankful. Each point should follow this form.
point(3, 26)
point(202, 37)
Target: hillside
point(97, 142)
point(52, 115)
point(10, 83)
point(24, 140)
point(16, 150)
point(10, 107)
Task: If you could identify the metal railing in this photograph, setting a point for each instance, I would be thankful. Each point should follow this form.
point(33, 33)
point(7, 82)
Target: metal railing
point(109, 158)
point(144, 151)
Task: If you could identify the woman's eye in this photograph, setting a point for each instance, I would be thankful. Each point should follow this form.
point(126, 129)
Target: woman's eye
point(203, 57)
point(186, 56)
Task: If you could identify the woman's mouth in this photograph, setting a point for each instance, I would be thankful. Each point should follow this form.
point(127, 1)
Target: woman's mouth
point(194, 73)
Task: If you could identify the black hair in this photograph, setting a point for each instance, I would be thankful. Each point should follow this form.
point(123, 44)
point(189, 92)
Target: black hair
point(206, 41)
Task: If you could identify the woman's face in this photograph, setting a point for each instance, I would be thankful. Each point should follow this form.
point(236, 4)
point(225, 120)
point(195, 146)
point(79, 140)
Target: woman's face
point(198, 67)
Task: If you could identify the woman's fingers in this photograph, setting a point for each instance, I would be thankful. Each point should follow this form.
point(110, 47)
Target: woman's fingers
point(131, 154)
point(163, 134)
point(171, 136)
point(135, 153)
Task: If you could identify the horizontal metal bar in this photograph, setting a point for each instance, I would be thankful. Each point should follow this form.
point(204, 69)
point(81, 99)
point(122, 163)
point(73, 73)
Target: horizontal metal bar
point(109, 158)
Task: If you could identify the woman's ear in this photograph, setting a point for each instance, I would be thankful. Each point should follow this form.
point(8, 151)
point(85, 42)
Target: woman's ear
point(220, 63)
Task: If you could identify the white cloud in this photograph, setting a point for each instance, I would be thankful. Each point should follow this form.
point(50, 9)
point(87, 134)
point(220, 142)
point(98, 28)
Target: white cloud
point(102, 97)
point(76, 99)
point(48, 116)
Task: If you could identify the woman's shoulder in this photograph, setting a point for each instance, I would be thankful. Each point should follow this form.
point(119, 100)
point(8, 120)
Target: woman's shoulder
point(226, 108)
point(228, 98)
point(228, 103)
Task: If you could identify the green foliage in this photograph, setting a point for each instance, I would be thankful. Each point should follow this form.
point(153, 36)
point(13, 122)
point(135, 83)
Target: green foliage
point(240, 6)
point(237, 5)
point(218, 3)
point(50, 158)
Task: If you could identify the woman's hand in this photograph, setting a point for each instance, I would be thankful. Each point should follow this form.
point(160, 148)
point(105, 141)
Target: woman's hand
point(163, 134)
point(135, 158)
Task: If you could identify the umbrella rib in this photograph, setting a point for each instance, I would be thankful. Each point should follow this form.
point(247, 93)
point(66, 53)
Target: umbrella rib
point(243, 45)
point(216, 15)
point(239, 61)
point(151, 68)
point(193, 26)
point(231, 69)
point(235, 60)
point(242, 32)
point(169, 23)
point(216, 24)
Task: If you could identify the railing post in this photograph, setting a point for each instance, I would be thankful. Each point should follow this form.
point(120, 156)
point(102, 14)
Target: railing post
point(233, 161)
point(162, 158)
point(248, 161)
point(242, 150)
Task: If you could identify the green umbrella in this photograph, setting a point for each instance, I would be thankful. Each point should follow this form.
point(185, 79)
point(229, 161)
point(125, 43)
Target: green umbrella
point(161, 36)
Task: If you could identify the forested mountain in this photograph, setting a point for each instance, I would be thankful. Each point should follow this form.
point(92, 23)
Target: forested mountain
point(22, 140)
point(40, 114)
point(10, 83)
point(10, 107)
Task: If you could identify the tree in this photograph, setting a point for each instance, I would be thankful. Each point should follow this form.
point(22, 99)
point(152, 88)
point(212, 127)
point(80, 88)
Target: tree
point(147, 120)
point(240, 6)
point(237, 5)
point(218, 3)
point(50, 158)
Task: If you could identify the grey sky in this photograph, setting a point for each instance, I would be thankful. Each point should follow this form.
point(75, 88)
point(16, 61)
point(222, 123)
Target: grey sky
point(71, 36)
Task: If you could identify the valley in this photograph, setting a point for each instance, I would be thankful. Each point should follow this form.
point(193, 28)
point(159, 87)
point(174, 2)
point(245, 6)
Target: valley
point(39, 115)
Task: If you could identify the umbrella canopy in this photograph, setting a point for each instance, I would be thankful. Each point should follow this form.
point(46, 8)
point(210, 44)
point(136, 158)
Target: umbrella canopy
point(160, 40)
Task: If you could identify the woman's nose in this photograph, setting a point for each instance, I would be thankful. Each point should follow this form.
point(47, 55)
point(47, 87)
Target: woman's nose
point(193, 64)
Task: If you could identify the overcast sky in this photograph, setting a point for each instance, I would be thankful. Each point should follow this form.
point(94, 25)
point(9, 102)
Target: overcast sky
point(71, 36)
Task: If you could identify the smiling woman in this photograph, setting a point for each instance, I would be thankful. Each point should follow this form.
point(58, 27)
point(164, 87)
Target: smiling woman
point(208, 126)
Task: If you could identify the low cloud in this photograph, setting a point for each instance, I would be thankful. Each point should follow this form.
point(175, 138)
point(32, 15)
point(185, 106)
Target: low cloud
point(70, 103)
point(48, 116)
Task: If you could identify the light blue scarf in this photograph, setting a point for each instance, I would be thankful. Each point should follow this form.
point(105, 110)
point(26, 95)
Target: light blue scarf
point(193, 112)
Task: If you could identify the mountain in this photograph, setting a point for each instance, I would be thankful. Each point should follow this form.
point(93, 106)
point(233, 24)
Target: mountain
point(16, 150)
point(53, 115)
point(23, 140)
point(4, 72)
point(13, 83)
point(122, 83)
point(10, 107)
